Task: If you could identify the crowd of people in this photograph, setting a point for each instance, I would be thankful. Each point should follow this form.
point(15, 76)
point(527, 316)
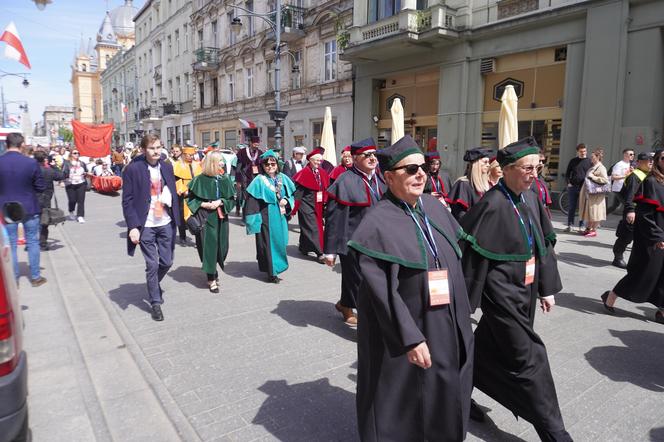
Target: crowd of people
point(418, 254)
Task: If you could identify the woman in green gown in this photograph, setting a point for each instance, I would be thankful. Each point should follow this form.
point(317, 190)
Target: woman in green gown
point(212, 192)
point(269, 203)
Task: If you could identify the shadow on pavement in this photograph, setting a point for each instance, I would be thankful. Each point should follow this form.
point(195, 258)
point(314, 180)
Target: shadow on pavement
point(657, 434)
point(131, 294)
point(579, 260)
point(488, 430)
point(121, 224)
point(247, 269)
point(580, 242)
point(190, 274)
point(638, 362)
point(309, 411)
point(293, 251)
point(592, 305)
point(319, 314)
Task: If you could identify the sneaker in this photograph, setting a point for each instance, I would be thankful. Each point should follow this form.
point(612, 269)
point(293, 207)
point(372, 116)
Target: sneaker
point(37, 282)
point(590, 234)
point(568, 229)
point(156, 313)
point(72, 216)
point(81, 219)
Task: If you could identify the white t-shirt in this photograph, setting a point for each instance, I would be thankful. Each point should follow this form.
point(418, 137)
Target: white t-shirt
point(159, 192)
point(620, 168)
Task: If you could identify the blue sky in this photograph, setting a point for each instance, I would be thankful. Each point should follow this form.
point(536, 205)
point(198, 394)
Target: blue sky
point(50, 38)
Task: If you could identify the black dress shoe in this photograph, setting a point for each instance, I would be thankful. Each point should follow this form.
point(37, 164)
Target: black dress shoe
point(156, 313)
point(274, 279)
point(476, 413)
point(620, 263)
point(608, 308)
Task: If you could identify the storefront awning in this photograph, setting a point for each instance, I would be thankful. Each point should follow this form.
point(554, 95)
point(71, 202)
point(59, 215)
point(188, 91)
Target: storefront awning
point(246, 124)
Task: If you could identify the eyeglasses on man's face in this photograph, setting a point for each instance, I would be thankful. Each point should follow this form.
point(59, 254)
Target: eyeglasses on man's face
point(368, 154)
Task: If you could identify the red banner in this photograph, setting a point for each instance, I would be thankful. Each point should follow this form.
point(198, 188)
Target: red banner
point(92, 140)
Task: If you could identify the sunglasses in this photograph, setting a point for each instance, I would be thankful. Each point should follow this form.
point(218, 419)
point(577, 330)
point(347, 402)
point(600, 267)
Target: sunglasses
point(75, 153)
point(270, 164)
point(411, 169)
point(368, 154)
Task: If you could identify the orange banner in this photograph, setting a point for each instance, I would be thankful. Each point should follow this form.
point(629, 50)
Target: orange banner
point(92, 140)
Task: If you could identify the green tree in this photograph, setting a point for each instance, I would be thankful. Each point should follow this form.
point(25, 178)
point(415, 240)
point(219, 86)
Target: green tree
point(66, 134)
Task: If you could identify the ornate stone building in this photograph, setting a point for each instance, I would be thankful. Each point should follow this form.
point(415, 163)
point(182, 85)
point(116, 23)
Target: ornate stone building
point(234, 74)
point(115, 33)
point(585, 71)
point(163, 64)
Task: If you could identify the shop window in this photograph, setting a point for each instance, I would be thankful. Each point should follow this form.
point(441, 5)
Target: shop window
point(186, 133)
point(230, 139)
point(317, 131)
point(205, 139)
point(216, 136)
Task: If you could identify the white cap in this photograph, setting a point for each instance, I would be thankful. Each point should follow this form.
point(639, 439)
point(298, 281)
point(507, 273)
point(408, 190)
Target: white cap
point(299, 149)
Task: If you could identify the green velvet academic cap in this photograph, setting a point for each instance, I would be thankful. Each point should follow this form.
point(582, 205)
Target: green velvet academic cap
point(391, 155)
point(519, 149)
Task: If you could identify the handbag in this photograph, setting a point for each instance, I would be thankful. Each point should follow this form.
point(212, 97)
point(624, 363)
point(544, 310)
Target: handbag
point(51, 216)
point(196, 221)
point(593, 188)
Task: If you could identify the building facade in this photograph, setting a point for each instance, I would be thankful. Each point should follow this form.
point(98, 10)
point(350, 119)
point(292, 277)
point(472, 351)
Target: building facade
point(54, 119)
point(164, 54)
point(584, 71)
point(115, 33)
point(119, 86)
point(234, 74)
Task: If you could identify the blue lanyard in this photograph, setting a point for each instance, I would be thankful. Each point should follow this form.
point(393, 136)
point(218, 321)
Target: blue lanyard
point(518, 214)
point(376, 193)
point(428, 235)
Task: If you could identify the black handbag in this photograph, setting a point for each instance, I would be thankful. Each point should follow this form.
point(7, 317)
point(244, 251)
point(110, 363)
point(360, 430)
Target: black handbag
point(197, 220)
point(51, 216)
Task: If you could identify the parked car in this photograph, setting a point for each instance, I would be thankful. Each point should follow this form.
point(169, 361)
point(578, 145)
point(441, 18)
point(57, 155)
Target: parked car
point(13, 360)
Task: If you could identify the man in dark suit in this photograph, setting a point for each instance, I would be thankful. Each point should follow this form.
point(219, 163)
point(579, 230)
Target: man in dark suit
point(248, 166)
point(148, 195)
point(21, 180)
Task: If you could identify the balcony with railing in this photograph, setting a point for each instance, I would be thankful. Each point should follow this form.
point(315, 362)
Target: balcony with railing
point(150, 113)
point(393, 36)
point(171, 108)
point(292, 22)
point(206, 59)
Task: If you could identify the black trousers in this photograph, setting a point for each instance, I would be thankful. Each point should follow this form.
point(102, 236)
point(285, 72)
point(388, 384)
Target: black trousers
point(351, 278)
point(76, 198)
point(43, 235)
point(182, 228)
point(625, 235)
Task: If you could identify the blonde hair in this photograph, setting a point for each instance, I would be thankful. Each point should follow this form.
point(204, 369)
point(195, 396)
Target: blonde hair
point(478, 180)
point(211, 163)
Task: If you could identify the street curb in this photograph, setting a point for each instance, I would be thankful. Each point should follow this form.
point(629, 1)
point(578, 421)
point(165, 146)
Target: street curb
point(169, 406)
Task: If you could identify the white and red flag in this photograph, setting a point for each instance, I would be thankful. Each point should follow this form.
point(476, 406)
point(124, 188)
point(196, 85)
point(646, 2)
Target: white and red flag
point(14, 48)
point(124, 110)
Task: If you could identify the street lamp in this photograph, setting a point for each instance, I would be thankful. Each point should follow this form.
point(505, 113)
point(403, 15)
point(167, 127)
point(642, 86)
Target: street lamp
point(25, 83)
point(41, 4)
point(276, 115)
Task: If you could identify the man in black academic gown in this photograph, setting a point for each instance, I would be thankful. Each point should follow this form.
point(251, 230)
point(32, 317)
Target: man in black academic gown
point(248, 166)
point(508, 261)
point(438, 182)
point(415, 342)
point(348, 198)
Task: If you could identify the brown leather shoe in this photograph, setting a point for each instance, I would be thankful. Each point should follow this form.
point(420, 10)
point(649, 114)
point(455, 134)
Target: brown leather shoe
point(347, 312)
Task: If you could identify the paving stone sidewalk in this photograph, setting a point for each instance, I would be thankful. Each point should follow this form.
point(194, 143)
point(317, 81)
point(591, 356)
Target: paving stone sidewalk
point(275, 362)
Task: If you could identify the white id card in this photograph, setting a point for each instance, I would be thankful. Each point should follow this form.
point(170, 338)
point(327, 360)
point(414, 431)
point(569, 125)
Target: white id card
point(530, 271)
point(439, 288)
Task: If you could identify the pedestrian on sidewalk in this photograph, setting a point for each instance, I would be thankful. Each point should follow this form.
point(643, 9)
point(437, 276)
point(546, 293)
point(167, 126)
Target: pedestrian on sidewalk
point(76, 186)
point(592, 206)
point(51, 173)
point(212, 194)
point(625, 230)
point(21, 180)
point(508, 261)
point(151, 215)
point(269, 201)
point(644, 281)
point(350, 197)
point(415, 341)
point(577, 168)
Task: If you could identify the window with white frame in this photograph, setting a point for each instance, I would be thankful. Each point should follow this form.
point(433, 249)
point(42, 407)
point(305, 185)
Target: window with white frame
point(177, 43)
point(296, 77)
point(231, 88)
point(249, 82)
point(330, 63)
point(178, 90)
point(169, 47)
point(250, 21)
point(185, 28)
point(186, 87)
point(231, 35)
point(170, 91)
point(269, 70)
point(213, 29)
point(201, 43)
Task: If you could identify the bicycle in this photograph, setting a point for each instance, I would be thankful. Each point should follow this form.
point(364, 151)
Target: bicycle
point(563, 203)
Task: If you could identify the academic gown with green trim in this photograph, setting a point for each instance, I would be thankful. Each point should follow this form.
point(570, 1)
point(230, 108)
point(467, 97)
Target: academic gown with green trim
point(396, 400)
point(511, 363)
point(264, 219)
point(214, 235)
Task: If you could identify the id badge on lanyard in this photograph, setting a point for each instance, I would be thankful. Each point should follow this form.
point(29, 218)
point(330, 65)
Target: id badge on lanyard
point(254, 169)
point(319, 196)
point(530, 271)
point(439, 288)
